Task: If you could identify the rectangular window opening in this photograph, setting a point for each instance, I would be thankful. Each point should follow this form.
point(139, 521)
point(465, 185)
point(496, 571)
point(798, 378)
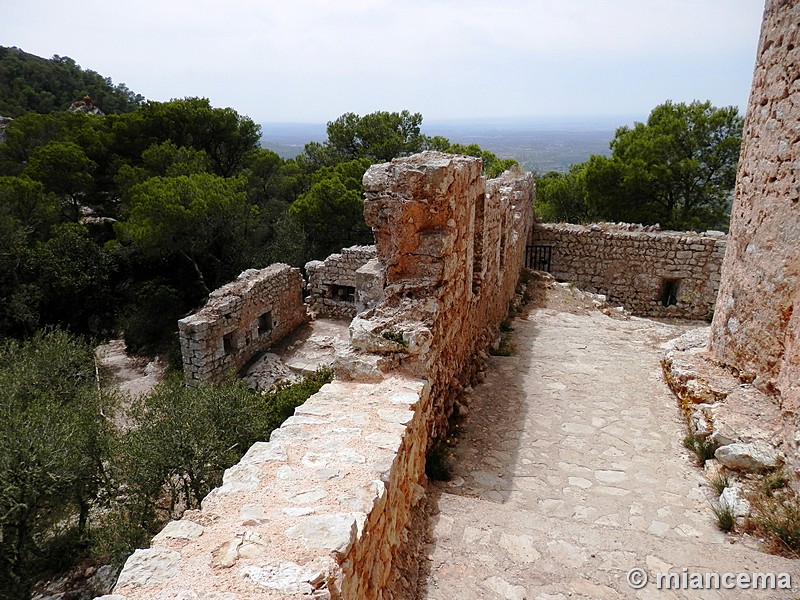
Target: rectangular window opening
point(229, 344)
point(669, 291)
point(343, 293)
point(265, 323)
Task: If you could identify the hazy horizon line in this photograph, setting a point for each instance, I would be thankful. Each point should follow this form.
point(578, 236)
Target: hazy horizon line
point(601, 121)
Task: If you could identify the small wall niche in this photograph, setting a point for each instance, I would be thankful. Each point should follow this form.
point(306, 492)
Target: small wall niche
point(343, 293)
point(669, 291)
point(229, 343)
point(265, 323)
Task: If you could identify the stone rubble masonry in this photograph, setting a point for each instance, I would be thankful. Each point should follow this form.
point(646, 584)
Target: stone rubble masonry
point(342, 285)
point(756, 327)
point(636, 265)
point(322, 510)
point(452, 245)
point(240, 320)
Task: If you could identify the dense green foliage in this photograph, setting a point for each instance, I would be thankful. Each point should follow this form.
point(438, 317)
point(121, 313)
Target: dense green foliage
point(128, 221)
point(32, 84)
point(377, 137)
point(678, 169)
point(71, 482)
point(331, 211)
point(492, 165)
point(53, 441)
point(330, 208)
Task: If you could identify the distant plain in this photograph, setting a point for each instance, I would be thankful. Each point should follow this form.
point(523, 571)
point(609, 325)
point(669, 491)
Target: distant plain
point(539, 144)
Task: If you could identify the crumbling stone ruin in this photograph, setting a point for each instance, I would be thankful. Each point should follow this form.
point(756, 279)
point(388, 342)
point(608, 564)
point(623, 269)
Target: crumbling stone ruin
point(240, 320)
point(322, 509)
point(650, 272)
point(345, 284)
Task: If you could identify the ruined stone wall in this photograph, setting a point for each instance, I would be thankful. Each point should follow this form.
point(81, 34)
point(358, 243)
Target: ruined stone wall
point(340, 286)
point(650, 272)
point(756, 324)
point(452, 245)
point(241, 319)
point(322, 509)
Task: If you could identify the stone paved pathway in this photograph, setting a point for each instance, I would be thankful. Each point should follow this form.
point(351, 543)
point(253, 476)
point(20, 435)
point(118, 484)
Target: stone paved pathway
point(570, 471)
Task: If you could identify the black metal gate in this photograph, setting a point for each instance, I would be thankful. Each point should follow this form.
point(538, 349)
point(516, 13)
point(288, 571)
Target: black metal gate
point(538, 257)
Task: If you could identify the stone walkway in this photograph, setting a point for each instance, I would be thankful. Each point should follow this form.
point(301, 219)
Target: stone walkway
point(570, 471)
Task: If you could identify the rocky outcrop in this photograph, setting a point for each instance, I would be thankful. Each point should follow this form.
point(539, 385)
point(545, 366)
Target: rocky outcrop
point(650, 272)
point(748, 457)
point(85, 105)
point(750, 429)
point(756, 327)
point(4, 121)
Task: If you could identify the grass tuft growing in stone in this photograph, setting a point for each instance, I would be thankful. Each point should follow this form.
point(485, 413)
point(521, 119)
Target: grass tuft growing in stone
point(506, 348)
point(702, 446)
point(725, 518)
point(394, 336)
point(777, 518)
point(774, 481)
point(719, 482)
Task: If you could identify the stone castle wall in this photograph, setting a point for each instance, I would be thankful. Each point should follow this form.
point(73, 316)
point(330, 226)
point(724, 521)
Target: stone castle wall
point(756, 324)
point(650, 272)
point(345, 283)
point(452, 245)
point(322, 509)
point(240, 320)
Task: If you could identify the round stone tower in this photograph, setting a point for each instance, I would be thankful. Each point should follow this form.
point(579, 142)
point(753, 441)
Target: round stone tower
point(756, 324)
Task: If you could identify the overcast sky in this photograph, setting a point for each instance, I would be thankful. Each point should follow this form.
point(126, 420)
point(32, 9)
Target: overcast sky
point(312, 60)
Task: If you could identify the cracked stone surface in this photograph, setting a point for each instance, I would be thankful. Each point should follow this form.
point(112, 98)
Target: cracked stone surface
point(570, 471)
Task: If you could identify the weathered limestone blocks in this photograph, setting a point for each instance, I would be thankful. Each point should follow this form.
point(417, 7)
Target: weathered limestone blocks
point(240, 320)
point(345, 283)
point(327, 495)
point(652, 273)
point(445, 236)
point(756, 326)
point(748, 457)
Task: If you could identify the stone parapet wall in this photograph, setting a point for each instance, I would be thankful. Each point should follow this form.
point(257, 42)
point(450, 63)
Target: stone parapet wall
point(756, 326)
point(651, 272)
point(337, 287)
point(323, 509)
point(241, 319)
point(299, 514)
